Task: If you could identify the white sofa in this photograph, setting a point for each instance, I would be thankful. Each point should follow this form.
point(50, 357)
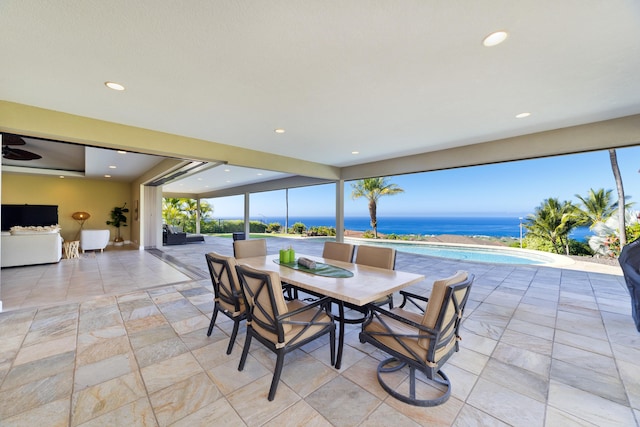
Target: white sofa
point(29, 249)
point(94, 239)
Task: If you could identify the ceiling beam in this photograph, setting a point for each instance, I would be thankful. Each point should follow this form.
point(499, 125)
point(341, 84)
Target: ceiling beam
point(259, 187)
point(615, 133)
point(42, 123)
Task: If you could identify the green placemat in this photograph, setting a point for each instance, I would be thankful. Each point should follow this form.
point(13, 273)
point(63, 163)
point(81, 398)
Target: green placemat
point(321, 269)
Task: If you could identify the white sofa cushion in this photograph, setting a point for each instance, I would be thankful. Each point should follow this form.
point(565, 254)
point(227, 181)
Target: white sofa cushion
point(29, 249)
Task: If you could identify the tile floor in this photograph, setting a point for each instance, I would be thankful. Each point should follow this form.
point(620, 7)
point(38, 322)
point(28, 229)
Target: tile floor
point(119, 338)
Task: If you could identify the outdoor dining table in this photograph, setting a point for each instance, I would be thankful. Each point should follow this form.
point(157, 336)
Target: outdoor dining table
point(364, 285)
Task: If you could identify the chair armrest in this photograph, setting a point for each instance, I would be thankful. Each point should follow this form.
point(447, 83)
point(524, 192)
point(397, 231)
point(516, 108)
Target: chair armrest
point(322, 301)
point(410, 297)
point(382, 312)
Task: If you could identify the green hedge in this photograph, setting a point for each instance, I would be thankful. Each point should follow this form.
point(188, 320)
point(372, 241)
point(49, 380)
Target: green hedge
point(231, 226)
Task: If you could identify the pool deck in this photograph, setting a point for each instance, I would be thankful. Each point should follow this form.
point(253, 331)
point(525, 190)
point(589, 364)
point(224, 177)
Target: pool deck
point(119, 338)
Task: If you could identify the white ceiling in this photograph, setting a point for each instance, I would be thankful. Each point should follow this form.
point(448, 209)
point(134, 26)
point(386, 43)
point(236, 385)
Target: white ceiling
point(384, 78)
point(77, 160)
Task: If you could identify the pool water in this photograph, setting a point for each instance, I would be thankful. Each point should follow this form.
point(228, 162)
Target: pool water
point(490, 254)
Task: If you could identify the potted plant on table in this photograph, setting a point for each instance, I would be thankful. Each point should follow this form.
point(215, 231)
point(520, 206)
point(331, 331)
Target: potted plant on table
point(118, 219)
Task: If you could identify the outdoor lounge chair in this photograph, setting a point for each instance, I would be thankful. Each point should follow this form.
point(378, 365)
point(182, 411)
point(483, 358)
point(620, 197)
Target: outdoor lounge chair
point(173, 235)
point(629, 260)
point(228, 297)
point(279, 325)
point(423, 341)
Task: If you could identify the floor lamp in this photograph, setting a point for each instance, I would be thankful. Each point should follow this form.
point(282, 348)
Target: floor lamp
point(81, 217)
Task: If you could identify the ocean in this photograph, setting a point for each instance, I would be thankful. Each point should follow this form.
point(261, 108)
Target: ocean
point(426, 226)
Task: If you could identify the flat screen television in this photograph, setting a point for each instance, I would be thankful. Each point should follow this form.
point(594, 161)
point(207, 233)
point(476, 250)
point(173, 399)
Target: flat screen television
point(27, 215)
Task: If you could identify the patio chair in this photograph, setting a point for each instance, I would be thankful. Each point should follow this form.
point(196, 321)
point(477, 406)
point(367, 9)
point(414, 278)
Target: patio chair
point(372, 256)
point(629, 260)
point(424, 341)
point(228, 298)
point(249, 248)
point(338, 251)
point(279, 325)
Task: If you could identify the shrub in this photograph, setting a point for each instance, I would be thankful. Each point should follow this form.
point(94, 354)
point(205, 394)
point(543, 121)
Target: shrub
point(539, 244)
point(321, 231)
point(298, 228)
point(257, 227)
point(274, 227)
point(368, 234)
point(613, 242)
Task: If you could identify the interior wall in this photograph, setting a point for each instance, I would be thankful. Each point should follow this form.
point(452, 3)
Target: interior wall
point(97, 197)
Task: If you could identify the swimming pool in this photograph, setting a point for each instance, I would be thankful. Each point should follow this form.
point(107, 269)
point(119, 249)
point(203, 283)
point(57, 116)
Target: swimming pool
point(490, 254)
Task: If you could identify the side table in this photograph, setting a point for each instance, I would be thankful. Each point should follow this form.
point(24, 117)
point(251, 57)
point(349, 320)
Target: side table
point(71, 249)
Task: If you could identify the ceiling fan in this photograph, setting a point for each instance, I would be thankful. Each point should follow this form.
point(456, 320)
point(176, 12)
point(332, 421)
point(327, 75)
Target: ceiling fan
point(16, 153)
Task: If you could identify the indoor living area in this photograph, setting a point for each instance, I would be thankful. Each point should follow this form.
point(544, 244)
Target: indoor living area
point(106, 110)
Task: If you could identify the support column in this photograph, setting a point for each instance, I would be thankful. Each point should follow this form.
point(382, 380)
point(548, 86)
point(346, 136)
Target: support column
point(197, 216)
point(247, 214)
point(340, 211)
point(151, 217)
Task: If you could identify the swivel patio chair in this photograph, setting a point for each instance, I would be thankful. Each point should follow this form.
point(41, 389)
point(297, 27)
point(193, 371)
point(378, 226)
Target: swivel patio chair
point(279, 325)
point(249, 248)
point(629, 260)
point(423, 341)
point(228, 297)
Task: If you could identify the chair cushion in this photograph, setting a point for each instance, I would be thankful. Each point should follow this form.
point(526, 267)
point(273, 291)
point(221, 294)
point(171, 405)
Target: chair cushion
point(249, 248)
point(229, 281)
point(396, 327)
point(264, 301)
point(437, 296)
point(435, 304)
point(291, 331)
point(376, 256)
point(338, 251)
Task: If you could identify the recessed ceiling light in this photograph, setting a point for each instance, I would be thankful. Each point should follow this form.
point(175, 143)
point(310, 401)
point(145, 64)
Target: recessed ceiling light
point(227, 170)
point(355, 152)
point(228, 180)
point(107, 176)
point(279, 130)
point(494, 39)
point(522, 115)
point(112, 167)
point(61, 176)
point(122, 152)
point(114, 86)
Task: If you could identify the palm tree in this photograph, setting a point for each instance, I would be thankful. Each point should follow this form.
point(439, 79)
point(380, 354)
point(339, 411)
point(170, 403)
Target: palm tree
point(622, 230)
point(553, 221)
point(596, 207)
point(183, 211)
point(373, 189)
point(172, 211)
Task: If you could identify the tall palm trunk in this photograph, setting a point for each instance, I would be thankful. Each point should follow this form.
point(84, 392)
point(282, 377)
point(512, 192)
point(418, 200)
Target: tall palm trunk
point(374, 217)
point(622, 232)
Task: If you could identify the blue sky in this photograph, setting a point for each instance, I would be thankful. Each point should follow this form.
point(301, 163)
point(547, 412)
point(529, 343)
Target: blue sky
point(506, 189)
